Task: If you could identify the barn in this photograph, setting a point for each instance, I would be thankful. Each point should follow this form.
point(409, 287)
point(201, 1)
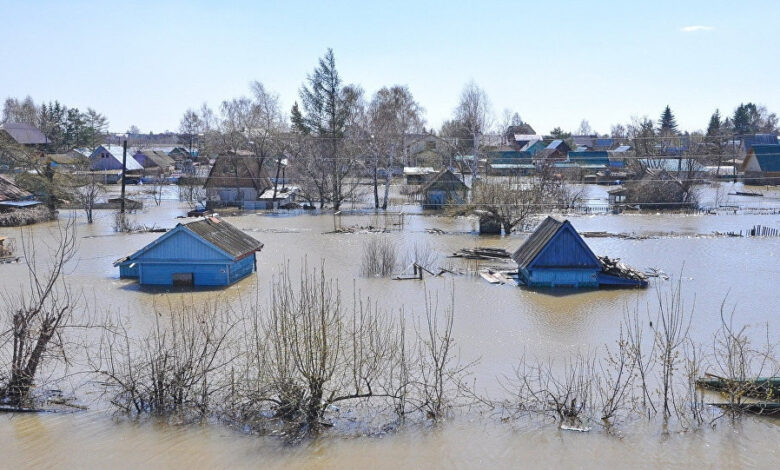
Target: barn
point(555, 255)
point(205, 252)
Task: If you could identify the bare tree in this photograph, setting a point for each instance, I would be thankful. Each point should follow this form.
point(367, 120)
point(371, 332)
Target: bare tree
point(509, 203)
point(36, 317)
point(474, 114)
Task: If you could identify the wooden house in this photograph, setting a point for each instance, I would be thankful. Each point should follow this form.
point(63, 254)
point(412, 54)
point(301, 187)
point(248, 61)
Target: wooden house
point(236, 180)
point(24, 134)
point(154, 162)
point(206, 252)
point(762, 165)
point(416, 175)
point(109, 157)
point(442, 189)
point(555, 255)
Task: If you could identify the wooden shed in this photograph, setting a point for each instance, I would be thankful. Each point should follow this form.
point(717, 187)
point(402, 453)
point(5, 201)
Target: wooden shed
point(555, 255)
point(206, 252)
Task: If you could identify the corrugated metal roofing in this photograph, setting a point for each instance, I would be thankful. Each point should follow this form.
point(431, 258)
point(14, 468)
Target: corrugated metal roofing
point(224, 236)
point(534, 244)
point(768, 157)
point(590, 157)
point(759, 139)
point(24, 133)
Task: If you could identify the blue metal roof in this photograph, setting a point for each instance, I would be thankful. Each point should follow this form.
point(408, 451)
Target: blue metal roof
point(19, 203)
point(759, 139)
point(590, 157)
point(768, 157)
point(510, 156)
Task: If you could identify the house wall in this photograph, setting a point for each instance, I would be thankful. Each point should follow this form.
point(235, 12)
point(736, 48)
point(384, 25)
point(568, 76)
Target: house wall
point(552, 277)
point(242, 268)
point(125, 271)
point(161, 274)
point(104, 160)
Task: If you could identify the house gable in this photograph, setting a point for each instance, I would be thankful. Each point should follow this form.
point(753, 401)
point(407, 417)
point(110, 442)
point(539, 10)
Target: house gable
point(565, 249)
point(180, 244)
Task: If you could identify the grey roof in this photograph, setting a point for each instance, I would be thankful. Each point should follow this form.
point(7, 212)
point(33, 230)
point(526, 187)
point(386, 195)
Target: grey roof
point(224, 236)
point(444, 178)
point(25, 134)
point(534, 244)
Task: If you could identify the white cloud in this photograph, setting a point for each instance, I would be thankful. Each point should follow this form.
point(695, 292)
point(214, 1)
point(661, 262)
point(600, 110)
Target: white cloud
point(695, 28)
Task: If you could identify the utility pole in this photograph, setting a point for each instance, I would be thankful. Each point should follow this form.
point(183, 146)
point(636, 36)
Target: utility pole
point(276, 180)
point(124, 165)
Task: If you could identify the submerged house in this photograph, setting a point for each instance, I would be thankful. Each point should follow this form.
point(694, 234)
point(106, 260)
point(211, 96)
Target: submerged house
point(206, 252)
point(442, 189)
point(555, 255)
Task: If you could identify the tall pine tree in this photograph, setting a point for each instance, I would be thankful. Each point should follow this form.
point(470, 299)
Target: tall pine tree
point(668, 124)
point(715, 125)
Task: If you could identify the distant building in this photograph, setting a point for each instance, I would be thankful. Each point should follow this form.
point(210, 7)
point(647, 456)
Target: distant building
point(747, 142)
point(443, 189)
point(109, 157)
point(414, 175)
point(555, 151)
point(236, 180)
point(762, 165)
point(510, 163)
point(180, 153)
point(154, 161)
point(555, 255)
point(206, 252)
point(24, 134)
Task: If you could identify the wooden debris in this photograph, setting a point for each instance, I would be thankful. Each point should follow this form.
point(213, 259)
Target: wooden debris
point(614, 267)
point(482, 253)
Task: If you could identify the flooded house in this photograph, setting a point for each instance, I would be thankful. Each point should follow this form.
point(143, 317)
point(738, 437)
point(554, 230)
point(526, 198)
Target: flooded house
point(205, 252)
point(416, 175)
point(154, 162)
point(237, 180)
point(762, 164)
point(555, 255)
point(443, 189)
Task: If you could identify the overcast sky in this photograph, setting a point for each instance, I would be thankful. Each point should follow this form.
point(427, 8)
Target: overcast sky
point(555, 63)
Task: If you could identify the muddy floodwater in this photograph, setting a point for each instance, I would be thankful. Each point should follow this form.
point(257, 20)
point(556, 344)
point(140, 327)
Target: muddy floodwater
point(494, 324)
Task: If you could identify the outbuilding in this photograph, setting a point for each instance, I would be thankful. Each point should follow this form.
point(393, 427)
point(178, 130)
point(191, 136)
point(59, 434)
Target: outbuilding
point(205, 252)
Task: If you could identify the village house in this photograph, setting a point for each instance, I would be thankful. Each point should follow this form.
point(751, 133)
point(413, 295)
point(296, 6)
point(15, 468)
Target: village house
point(415, 175)
point(762, 165)
point(24, 134)
point(555, 151)
point(747, 142)
point(154, 162)
point(555, 255)
point(236, 180)
point(109, 157)
point(443, 189)
point(205, 252)
point(510, 163)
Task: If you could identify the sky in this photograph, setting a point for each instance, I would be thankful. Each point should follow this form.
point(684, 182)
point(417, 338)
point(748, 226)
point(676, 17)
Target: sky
point(556, 63)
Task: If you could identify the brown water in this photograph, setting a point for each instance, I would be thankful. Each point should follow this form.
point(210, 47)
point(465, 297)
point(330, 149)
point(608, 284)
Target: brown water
point(495, 324)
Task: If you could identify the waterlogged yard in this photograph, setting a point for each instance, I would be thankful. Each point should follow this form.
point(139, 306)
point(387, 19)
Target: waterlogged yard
point(447, 371)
